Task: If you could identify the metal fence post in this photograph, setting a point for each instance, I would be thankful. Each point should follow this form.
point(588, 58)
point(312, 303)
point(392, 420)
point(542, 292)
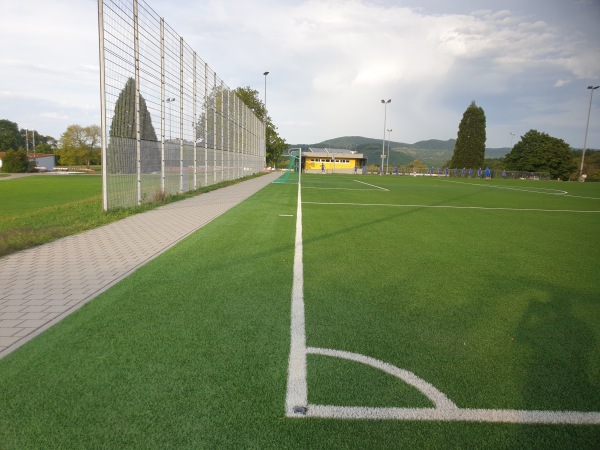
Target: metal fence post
point(138, 142)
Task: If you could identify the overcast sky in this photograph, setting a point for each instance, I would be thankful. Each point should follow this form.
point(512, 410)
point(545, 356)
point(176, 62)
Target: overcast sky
point(526, 62)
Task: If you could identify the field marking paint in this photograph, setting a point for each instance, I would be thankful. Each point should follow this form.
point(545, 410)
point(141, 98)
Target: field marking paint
point(455, 415)
point(450, 207)
point(438, 398)
point(336, 189)
point(372, 185)
point(286, 215)
point(297, 390)
point(535, 190)
point(444, 411)
point(581, 196)
point(296, 401)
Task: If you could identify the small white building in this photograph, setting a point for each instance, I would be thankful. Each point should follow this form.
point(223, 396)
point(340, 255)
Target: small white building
point(44, 162)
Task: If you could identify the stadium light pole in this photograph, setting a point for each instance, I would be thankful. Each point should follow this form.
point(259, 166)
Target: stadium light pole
point(592, 89)
point(169, 101)
point(385, 103)
point(388, 154)
point(512, 135)
point(265, 121)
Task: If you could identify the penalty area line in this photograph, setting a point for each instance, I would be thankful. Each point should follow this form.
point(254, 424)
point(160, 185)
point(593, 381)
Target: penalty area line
point(372, 185)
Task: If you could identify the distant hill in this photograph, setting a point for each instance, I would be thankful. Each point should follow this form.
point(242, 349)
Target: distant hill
point(431, 152)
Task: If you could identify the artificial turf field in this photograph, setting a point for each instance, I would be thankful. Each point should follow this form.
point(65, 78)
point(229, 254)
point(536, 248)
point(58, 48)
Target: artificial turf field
point(488, 291)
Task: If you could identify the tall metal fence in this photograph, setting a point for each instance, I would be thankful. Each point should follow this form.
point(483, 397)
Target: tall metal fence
point(169, 123)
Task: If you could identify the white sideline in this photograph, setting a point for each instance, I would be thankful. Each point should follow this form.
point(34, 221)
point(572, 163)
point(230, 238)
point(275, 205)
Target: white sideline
point(297, 390)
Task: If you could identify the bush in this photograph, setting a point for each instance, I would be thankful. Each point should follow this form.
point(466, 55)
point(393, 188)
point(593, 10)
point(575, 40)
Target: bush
point(16, 162)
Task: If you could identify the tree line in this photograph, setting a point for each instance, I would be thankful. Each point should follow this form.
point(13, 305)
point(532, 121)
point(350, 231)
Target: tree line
point(77, 146)
point(80, 145)
point(535, 152)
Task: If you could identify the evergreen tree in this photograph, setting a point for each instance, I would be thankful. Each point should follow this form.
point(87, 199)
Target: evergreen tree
point(540, 152)
point(122, 148)
point(469, 149)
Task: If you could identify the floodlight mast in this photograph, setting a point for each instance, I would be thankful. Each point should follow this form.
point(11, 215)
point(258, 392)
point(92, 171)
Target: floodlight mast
point(592, 89)
point(385, 103)
point(265, 120)
point(387, 169)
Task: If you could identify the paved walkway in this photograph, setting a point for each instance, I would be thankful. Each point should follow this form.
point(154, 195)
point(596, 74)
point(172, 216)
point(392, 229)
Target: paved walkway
point(42, 285)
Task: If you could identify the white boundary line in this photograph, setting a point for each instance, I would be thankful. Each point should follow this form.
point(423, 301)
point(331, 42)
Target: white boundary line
point(449, 207)
point(296, 402)
point(297, 390)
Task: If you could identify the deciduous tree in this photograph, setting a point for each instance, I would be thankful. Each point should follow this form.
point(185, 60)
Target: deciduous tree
point(540, 152)
point(275, 143)
point(80, 145)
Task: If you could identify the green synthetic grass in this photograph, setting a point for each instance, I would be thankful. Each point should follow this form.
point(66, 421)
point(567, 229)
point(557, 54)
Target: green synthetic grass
point(498, 309)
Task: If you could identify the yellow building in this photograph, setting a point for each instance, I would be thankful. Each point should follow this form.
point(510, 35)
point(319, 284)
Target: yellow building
point(333, 160)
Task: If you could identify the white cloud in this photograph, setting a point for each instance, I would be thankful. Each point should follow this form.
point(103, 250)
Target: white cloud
point(54, 116)
point(331, 61)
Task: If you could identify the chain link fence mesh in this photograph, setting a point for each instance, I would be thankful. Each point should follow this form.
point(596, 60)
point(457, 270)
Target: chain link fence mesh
point(169, 123)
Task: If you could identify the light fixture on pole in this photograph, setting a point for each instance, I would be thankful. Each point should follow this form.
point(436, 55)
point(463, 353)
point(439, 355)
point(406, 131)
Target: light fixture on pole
point(592, 89)
point(265, 74)
point(169, 101)
point(388, 153)
point(385, 103)
point(512, 135)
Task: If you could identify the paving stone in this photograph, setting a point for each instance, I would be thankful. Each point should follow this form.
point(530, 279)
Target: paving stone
point(53, 279)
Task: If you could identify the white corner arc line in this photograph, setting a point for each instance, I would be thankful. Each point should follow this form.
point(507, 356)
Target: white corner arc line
point(445, 410)
point(297, 390)
point(437, 397)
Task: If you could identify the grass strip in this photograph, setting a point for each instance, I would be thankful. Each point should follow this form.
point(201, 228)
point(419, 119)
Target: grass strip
point(34, 224)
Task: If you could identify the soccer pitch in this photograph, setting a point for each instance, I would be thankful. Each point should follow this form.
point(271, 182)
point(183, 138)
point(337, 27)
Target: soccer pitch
point(423, 312)
point(431, 261)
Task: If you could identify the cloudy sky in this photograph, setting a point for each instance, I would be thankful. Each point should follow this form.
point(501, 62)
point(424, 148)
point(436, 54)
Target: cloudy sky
point(527, 63)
